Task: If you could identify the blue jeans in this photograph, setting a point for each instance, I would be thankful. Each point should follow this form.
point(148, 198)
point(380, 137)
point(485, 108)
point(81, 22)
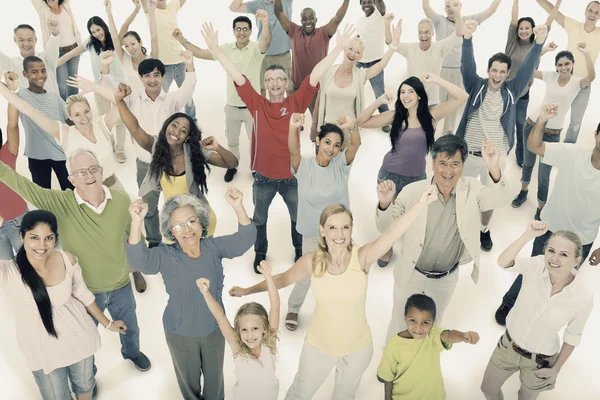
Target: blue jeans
point(151, 222)
point(578, 107)
point(399, 180)
point(9, 237)
point(377, 83)
point(177, 72)
point(121, 306)
point(520, 118)
point(263, 192)
point(543, 169)
point(510, 297)
point(55, 385)
point(63, 72)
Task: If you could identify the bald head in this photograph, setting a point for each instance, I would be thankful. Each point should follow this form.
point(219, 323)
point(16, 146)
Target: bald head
point(308, 18)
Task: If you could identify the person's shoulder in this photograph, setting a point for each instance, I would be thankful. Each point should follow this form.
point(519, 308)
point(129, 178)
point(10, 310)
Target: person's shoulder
point(120, 196)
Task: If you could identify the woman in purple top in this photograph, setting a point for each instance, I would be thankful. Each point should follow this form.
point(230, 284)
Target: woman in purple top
point(413, 130)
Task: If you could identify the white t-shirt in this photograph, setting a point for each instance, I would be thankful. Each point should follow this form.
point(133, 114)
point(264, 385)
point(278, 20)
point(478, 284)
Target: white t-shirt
point(562, 96)
point(132, 78)
point(372, 32)
point(67, 37)
point(573, 203)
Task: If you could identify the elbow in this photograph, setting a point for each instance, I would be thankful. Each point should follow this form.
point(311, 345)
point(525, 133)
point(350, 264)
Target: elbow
point(464, 96)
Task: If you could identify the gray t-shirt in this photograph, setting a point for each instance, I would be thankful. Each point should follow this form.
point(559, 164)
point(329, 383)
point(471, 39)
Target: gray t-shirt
point(444, 28)
point(280, 41)
point(39, 144)
point(319, 187)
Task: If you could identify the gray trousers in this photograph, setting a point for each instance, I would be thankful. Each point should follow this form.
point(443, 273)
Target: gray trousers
point(151, 222)
point(234, 117)
point(298, 295)
point(194, 357)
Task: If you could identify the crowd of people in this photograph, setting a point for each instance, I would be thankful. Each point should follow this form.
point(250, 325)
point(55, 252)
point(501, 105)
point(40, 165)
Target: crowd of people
point(60, 289)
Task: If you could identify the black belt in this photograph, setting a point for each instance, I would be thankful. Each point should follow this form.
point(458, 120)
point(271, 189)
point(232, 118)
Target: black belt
point(438, 275)
point(240, 107)
point(68, 48)
point(475, 153)
point(540, 359)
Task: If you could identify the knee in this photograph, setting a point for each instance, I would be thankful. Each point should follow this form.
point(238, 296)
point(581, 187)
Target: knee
point(487, 389)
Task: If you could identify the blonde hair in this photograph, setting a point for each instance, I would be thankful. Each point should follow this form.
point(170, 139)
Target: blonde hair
point(76, 98)
point(358, 40)
point(571, 237)
point(269, 337)
point(322, 258)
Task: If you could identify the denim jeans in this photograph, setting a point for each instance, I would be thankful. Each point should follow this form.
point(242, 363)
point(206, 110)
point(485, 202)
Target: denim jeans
point(578, 107)
point(151, 223)
point(263, 192)
point(520, 118)
point(9, 237)
point(177, 72)
point(63, 73)
point(55, 385)
point(377, 83)
point(41, 173)
point(121, 306)
point(510, 297)
point(543, 169)
point(399, 180)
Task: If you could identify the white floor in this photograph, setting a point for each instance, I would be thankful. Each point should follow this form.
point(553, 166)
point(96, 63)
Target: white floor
point(471, 308)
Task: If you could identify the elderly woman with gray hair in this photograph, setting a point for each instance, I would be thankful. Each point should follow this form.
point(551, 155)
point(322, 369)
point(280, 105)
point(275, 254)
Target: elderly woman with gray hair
point(193, 336)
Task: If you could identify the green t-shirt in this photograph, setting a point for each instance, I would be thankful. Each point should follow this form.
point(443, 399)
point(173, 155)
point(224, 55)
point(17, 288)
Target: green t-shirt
point(413, 365)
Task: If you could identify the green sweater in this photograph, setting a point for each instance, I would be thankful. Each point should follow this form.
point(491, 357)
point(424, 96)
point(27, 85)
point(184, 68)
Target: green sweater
point(97, 240)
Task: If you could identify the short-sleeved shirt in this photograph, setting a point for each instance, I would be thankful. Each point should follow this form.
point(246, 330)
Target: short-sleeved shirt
point(39, 144)
point(308, 51)
point(371, 30)
point(12, 205)
point(418, 62)
point(166, 22)
point(577, 34)
point(576, 189)
point(249, 61)
point(406, 361)
point(562, 96)
point(280, 42)
point(444, 28)
point(319, 187)
point(269, 154)
point(484, 123)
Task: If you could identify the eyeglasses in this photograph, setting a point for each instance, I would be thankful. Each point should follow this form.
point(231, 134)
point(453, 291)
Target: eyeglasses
point(83, 173)
point(179, 227)
point(244, 29)
point(278, 80)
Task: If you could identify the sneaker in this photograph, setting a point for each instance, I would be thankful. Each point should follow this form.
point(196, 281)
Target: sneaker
point(387, 128)
point(501, 314)
point(520, 199)
point(95, 391)
point(229, 174)
point(298, 255)
point(142, 363)
point(121, 157)
point(139, 281)
point(537, 216)
point(257, 259)
point(486, 241)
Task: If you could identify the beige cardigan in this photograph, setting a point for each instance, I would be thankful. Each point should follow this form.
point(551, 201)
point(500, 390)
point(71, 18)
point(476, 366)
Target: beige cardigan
point(45, 14)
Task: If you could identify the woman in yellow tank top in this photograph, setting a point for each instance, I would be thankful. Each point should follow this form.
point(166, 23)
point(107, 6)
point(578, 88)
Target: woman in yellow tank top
point(338, 334)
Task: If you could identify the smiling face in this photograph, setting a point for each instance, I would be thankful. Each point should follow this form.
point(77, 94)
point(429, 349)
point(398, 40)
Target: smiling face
point(178, 131)
point(191, 233)
point(418, 323)
point(368, 6)
point(497, 75)
point(425, 35)
point(451, 7)
point(559, 255)
point(36, 75)
point(81, 114)
point(39, 242)
point(97, 32)
point(25, 40)
point(131, 45)
point(330, 145)
point(308, 18)
point(564, 66)
point(354, 51)
point(242, 33)
point(592, 12)
point(447, 170)
point(276, 82)
point(86, 183)
point(409, 97)
point(251, 330)
point(153, 82)
point(337, 231)
point(525, 30)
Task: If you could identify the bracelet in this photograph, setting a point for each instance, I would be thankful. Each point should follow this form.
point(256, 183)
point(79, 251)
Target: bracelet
point(110, 321)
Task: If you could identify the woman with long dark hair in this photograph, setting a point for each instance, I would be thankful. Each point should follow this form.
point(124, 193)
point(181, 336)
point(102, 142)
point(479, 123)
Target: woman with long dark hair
point(180, 157)
point(52, 307)
point(413, 130)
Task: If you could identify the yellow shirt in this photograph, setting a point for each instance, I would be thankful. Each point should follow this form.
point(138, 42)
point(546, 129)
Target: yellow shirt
point(175, 185)
point(166, 22)
point(339, 324)
point(576, 34)
point(406, 362)
point(249, 61)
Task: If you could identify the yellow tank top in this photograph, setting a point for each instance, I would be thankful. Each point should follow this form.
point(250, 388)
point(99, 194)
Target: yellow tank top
point(339, 324)
point(178, 185)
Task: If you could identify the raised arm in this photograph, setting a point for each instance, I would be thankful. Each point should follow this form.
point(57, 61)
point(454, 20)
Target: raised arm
point(454, 336)
point(265, 269)
point(153, 30)
point(552, 15)
point(459, 96)
point(347, 124)
point(332, 25)
point(488, 12)
point(366, 119)
point(211, 37)
point(468, 67)
point(296, 122)
point(216, 310)
point(387, 27)
point(203, 54)
point(281, 17)
point(380, 5)
point(535, 143)
point(116, 35)
point(220, 156)
point(429, 12)
point(238, 6)
point(548, 7)
point(12, 128)
point(130, 18)
point(80, 49)
point(514, 15)
point(591, 75)
point(506, 259)
point(144, 140)
point(341, 41)
point(377, 68)
point(265, 40)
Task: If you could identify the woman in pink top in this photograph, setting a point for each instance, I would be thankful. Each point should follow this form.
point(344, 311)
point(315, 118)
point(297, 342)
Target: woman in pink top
point(339, 335)
point(52, 307)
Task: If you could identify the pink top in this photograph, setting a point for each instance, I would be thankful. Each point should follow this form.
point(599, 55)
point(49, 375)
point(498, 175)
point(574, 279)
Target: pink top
point(12, 205)
point(78, 337)
point(256, 381)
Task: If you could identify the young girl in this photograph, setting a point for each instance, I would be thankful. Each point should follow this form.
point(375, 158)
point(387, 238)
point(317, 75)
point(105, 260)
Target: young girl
point(415, 353)
point(252, 340)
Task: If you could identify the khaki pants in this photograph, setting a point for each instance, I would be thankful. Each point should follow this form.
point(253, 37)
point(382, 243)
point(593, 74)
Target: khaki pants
point(452, 75)
point(103, 106)
point(283, 59)
point(234, 117)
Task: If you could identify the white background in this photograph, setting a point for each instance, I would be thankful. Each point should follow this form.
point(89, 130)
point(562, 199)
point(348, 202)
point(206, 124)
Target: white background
point(472, 307)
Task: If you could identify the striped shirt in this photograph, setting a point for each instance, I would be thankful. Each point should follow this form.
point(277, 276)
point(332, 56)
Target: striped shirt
point(39, 144)
point(485, 124)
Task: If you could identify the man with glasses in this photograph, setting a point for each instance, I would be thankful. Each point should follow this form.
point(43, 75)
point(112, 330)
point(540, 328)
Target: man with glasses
point(248, 55)
point(270, 157)
point(93, 225)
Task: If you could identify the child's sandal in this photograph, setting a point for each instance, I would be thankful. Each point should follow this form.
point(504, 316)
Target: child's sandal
point(291, 321)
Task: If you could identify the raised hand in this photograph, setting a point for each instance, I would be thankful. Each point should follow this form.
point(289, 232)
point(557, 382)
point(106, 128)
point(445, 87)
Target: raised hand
point(107, 57)
point(397, 33)
point(429, 196)
point(297, 120)
point(536, 229)
point(594, 258)
point(107, 6)
point(122, 91)
point(53, 26)
point(12, 80)
point(237, 291)
point(84, 85)
point(234, 197)
point(210, 143)
point(137, 4)
point(203, 285)
point(490, 154)
point(118, 326)
point(551, 46)
point(343, 40)
point(152, 5)
point(469, 27)
point(345, 122)
point(386, 191)
point(262, 16)
point(138, 210)
point(471, 337)
point(178, 35)
point(386, 98)
point(540, 32)
point(547, 112)
point(388, 18)
point(265, 268)
point(582, 47)
point(211, 37)
point(428, 77)
point(187, 57)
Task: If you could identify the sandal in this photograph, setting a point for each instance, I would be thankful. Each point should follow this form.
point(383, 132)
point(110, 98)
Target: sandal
point(291, 321)
point(121, 157)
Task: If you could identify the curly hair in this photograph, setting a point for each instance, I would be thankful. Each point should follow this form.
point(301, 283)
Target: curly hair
point(162, 160)
point(270, 335)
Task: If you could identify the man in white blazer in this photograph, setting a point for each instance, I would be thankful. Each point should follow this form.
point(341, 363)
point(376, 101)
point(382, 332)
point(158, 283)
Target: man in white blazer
point(446, 235)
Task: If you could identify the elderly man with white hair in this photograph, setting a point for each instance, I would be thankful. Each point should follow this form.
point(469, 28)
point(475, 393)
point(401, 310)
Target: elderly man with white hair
point(94, 222)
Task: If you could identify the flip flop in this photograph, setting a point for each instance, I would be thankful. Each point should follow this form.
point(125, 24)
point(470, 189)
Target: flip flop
point(291, 321)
